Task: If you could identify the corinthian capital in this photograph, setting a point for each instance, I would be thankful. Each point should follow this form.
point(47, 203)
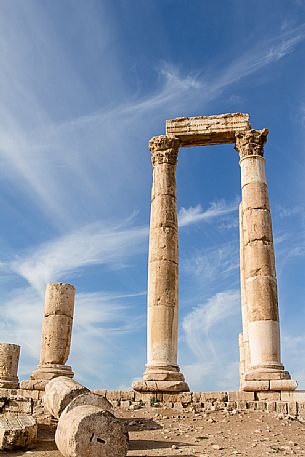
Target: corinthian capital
point(164, 149)
point(251, 142)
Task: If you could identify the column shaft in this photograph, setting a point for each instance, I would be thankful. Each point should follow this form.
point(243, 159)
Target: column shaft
point(56, 336)
point(162, 319)
point(258, 260)
point(9, 359)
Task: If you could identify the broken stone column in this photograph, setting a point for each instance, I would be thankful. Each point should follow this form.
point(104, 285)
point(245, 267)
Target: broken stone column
point(162, 372)
point(64, 394)
point(259, 266)
point(9, 359)
point(88, 431)
point(56, 335)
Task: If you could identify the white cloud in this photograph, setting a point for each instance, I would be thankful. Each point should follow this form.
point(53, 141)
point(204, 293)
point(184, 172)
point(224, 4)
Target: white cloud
point(93, 244)
point(210, 331)
point(99, 320)
point(213, 263)
point(192, 215)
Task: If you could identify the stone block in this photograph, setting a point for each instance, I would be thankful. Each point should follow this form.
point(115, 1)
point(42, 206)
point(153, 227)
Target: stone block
point(301, 409)
point(262, 291)
point(8, 392)
point(125, 403)
point(238, 396)
point(251, 404)
point(261, 405)
point(255, 195)
point(257, 223)
point(33, 384)
point(281, 407)
point(17, 432)
point(269, 396)
point(230, 405)
point(214, 396)
point(113, 395)
point(241, 405)
point(196, 397)
point(205, 130)
point(296, 395)
point(18, 405)
point(254, 386)
point(128, 395)
point(34, 394)
point(185, 397)
point(293, 408)
point(171, 397)
point(271, 406)
point(267, 375)
point(283, 384)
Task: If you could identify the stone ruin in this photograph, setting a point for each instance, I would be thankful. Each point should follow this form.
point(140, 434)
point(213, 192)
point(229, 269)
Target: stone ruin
point(261, 368)
point(51, 396)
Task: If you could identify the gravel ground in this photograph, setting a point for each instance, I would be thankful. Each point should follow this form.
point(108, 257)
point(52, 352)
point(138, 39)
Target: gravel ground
point(166, 432)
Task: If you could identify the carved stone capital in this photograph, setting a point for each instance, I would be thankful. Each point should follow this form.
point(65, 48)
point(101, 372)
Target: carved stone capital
point(251, 142)
point(164, 149)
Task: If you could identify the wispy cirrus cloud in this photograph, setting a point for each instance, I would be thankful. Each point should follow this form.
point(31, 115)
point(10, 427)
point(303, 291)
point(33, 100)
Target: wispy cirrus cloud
point(208, 331)
point(34, 155)
point(193, 215)
point(213, 263)
point(93, 244)
point(100, 320)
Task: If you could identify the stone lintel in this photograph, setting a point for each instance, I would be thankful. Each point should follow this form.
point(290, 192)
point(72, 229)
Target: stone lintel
point(207, 130)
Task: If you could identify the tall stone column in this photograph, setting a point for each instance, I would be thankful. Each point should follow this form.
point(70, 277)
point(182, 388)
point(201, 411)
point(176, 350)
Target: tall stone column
point(243, 337)
point(266, 370)
point(56, 336)
point(9, 358)
point(162, 372)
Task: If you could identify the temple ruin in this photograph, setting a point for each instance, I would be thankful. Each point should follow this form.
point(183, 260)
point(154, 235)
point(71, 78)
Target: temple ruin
point(261, 368)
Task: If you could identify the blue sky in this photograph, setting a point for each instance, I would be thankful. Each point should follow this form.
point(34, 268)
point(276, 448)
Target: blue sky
point(83, 86)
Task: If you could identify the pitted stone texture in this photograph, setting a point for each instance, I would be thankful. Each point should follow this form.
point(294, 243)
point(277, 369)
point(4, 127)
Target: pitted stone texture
point(56, 333)
point(57, 326)
point(251, 142)
point(89, 399)
point(205, 130)
point(17, 432)
point(88, 431)
point(162, 320)
point(59, 392)
point(9, 358)
point(160, 386)
point(164, 149)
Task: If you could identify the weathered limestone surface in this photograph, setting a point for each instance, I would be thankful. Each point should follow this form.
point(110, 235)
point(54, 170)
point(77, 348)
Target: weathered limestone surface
point(89, 399)
point(9, 358)
point(207, 130)
point(258, 265)
point(56, 336)
point(162, 371)
point(88, 431)
point(18, 432)
point(59, 392)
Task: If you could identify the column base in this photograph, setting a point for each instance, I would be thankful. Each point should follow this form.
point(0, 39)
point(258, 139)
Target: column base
point(44, 373)
point(161, 379)
point(9, 383)
point(160, 386)
point(268, 378)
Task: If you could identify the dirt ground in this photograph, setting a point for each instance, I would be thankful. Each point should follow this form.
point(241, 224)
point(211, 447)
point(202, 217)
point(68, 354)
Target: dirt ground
point(162, 432)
